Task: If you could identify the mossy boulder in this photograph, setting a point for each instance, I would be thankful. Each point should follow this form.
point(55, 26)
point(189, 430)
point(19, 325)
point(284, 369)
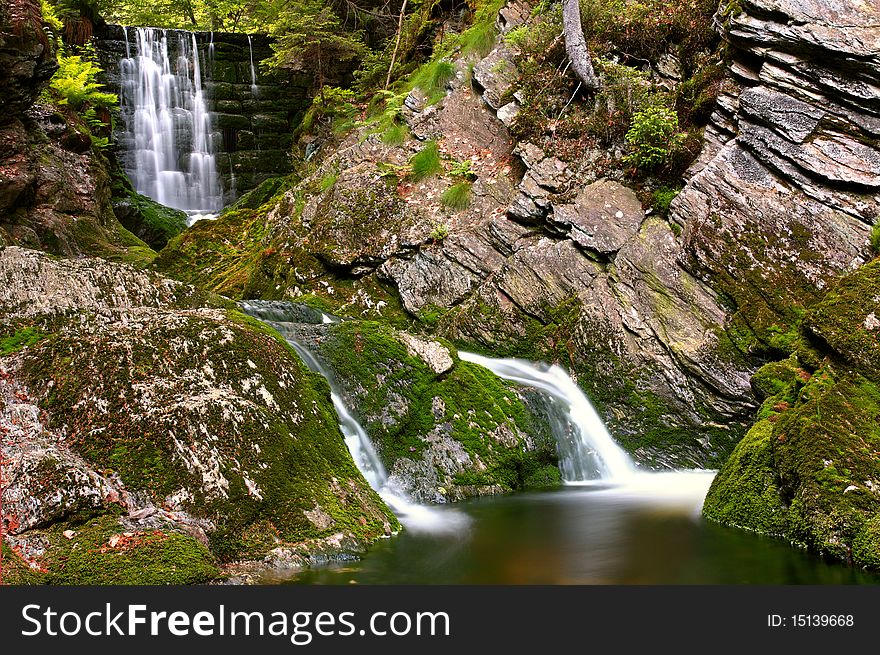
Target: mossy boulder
point(848, 319)
point(184, 412)
point(808, 470)
point(102, 551)
point(148, 220)
point(445, 429)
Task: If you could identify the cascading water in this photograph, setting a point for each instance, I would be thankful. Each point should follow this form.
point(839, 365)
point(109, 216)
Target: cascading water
point(414, 517)
point(254, 88)
point(586, 449)
point(168, 141)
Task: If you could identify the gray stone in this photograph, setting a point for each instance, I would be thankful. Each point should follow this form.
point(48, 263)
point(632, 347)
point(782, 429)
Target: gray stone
point(603, 216)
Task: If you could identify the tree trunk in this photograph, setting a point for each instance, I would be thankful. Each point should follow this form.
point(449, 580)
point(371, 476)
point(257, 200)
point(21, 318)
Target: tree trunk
point(576, 44)
point(396, 43)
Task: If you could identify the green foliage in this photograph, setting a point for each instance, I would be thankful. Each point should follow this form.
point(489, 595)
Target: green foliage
point(440, 232)
point(457, 197)
point(463, 169)
point(312, 37)
point(518, 36)
point(333, 108)
point(328, 181)
point(645, 30)
point(479, 38)
point(426, 162)
point(395, 134)
point(875, 237)
point(76, 84)
point(652, 136)
point(50, 16)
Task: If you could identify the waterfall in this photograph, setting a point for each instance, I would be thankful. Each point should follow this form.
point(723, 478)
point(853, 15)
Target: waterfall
point(586, 449)
point(283, 317)
point(254, 88)
point(168, 143)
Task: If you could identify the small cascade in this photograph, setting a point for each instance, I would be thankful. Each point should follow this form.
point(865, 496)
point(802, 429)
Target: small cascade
point(168, 140)
point(254, 88)
point(587, 452)
point(284, 317)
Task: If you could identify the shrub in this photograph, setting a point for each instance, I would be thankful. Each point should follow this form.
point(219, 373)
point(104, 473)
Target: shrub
point(426, 162)
point(875, 237)
point(395, 134)
point(652, 135)
point(440, 232)
point(457, 197)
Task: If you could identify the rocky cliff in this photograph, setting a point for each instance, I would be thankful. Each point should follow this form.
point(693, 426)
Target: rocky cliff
point(58, 191)
point(792, 179)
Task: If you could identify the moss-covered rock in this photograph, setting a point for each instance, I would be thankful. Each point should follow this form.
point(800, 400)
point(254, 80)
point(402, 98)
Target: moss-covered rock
point(152, 395)
point(101, 551)
point(809, 471)
point(848, 319)
point(443, 433)
point(148, 220)
point(745, 493)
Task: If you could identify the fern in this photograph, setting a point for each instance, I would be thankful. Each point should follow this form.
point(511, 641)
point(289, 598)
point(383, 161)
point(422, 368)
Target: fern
point(75, 83)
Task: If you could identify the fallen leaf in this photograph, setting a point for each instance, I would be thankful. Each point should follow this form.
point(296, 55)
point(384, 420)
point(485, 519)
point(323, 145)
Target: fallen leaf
point(70, 534)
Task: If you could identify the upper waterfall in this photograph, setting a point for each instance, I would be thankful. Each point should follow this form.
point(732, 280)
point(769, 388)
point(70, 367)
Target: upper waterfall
point(168, 143)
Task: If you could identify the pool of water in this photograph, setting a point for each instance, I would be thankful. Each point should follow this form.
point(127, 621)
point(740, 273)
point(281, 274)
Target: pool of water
point(648, 531)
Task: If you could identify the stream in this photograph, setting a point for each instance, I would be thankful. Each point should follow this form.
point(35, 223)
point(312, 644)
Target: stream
point(610, 523)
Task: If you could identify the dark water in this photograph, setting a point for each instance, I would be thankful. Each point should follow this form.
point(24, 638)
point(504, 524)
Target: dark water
point(647, 535)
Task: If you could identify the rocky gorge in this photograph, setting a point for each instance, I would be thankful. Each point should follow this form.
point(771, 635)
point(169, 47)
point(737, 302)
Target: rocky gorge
point(734, 328)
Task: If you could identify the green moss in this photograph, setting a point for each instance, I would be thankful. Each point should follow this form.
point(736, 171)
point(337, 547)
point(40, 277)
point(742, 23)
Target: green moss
point(16, 571)
point(866, 545)
point(816, 452)
point(264, 193)
point(778, 377)
point(218, 255)
point(400, 401)
point(745, 492)
point(19, 339)
point(144, 558)
point(848, 318)
point(146, 218)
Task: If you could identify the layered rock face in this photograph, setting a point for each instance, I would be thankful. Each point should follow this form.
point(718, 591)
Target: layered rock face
point(794, 186)
point(662, 321)
point(142, 402)
point(787, 192)
point(542, 264)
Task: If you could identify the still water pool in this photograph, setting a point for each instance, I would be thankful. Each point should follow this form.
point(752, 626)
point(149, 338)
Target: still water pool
point(648, 531)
